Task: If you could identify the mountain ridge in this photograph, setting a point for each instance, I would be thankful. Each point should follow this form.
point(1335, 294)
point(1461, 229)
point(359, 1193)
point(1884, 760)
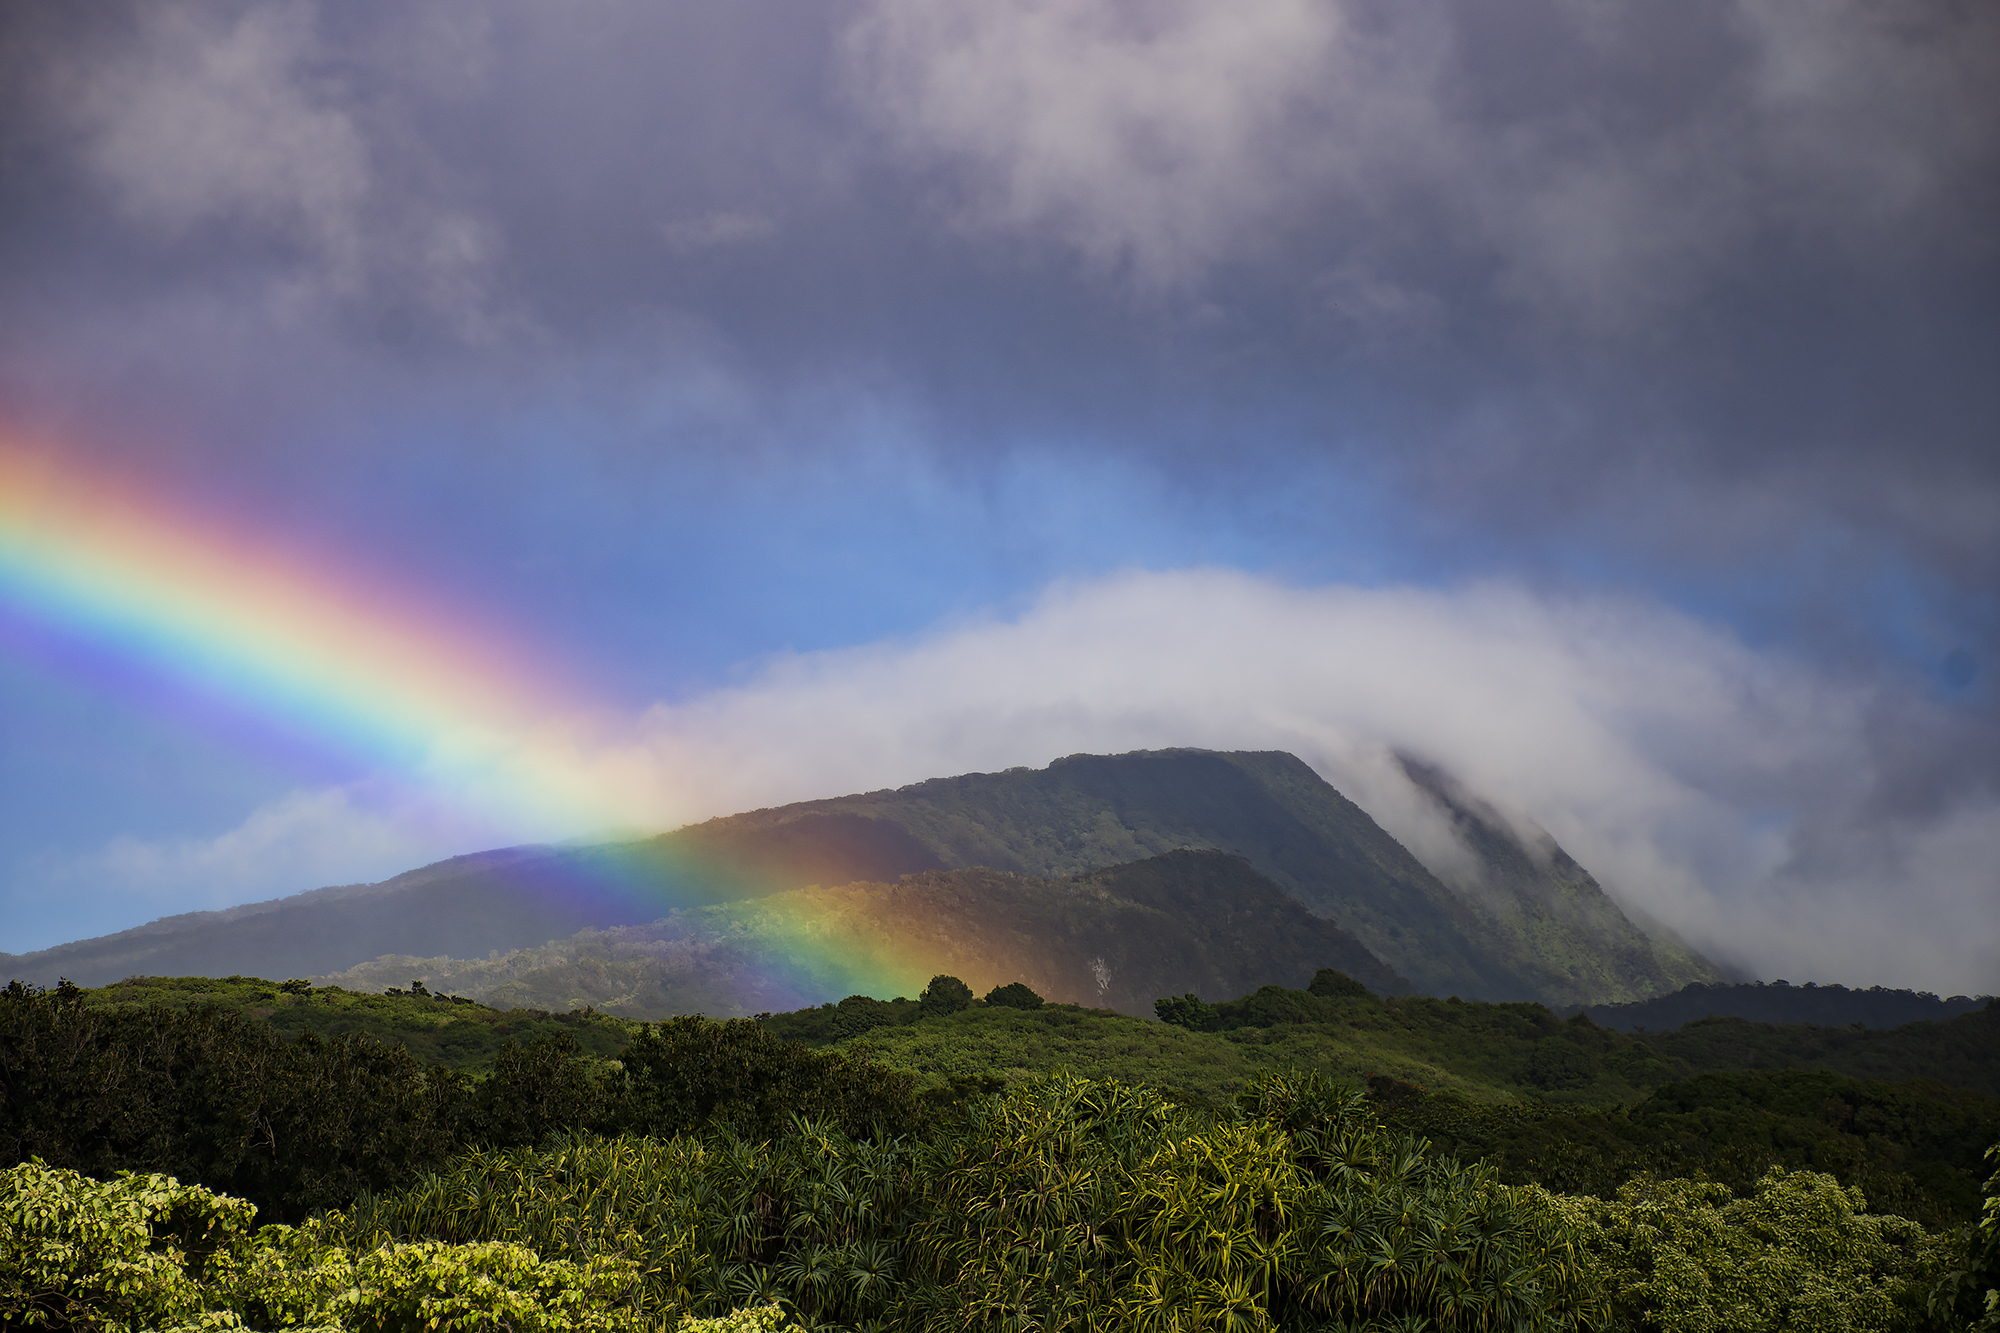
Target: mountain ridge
point(1079, 814)
point(1115, 938)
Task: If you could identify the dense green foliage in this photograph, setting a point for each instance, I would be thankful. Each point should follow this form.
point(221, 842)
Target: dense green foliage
point(1962, 1051)
point(206, 1094)
point(1799, 1254)
point(867, 1179)
point(944, 995)
point(1068, 1203)
point(1782, 1002)
point(437, 1029)
point(1559, 1102)
point(1969, 1297)
point(1013, 995)
point(146, 1252)
point(1913, 1148)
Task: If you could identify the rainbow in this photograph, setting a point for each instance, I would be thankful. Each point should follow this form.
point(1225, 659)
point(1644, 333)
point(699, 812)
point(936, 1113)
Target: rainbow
point(363, 666)
point(359, 665)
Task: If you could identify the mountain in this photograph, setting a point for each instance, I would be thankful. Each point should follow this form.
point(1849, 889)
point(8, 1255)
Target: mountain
point(1116, 938)
point(1536, 902)
point(471, 906)
point(1534, 926)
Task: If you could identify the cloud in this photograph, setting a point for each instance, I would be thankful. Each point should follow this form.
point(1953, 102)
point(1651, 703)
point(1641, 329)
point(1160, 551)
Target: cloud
point(685, 236)
point(1696, 777)
point(205, 118)
point(1598, 163)
point(247, 130)
point(1731, 794)
point(1155, 140)
point(1700, 780)
point(608, 314)
point(303, 840)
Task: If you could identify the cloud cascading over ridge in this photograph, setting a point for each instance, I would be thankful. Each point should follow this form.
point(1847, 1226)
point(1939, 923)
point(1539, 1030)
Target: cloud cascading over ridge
point(1709, 786)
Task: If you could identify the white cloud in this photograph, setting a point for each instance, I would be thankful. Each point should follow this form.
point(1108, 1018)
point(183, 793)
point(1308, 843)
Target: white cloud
point(706, 231)
point(1684, 769)
point(301, 841)
point(1674, 762)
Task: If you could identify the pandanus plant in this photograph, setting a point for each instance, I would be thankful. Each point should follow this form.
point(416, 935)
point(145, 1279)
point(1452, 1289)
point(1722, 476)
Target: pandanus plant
point(1066, 1204)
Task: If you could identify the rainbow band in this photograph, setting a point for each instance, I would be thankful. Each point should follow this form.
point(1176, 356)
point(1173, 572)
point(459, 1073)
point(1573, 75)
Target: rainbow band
point(369, 672)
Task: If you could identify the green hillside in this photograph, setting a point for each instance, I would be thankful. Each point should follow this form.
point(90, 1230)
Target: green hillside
point(1527, 922)
point(1560, 1103)
point(1114, 938)
point(1539, 927)
point(437, 1029)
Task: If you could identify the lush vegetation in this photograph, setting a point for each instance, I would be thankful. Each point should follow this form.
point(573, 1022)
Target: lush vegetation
point(930, 1163)
point(1066, 1204)
point(1782, 1002)
point(437, 1029)
point(208, 1095)
point(1499, 1053)
point(1912, 1148)
point(1962, 1051)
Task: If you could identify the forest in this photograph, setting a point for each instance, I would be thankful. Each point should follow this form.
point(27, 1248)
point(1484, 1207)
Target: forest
point(196, 1153)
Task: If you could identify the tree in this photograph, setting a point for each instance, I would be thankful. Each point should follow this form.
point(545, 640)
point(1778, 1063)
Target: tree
point(945, 995)
point(1189, 1011)
point(1333, 984)
point(1969, 1296)
point(1013, 995)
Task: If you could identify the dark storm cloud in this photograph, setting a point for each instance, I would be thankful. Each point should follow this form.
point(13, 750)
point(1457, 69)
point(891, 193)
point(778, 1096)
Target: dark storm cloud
point(1532, 256)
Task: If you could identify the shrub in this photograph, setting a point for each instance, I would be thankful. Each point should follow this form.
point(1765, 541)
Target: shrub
point(431, 1287)
point(945, 995)
point(124, 1253)
point(1969, 1295)
point(1188, 1011)
point(1685, 1255)
point(1332, 984)
point(1013, 995)
point(690, 1073)
point(751, 1319)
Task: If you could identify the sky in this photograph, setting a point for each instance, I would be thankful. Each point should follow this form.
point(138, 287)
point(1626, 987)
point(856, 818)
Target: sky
point(439, 425)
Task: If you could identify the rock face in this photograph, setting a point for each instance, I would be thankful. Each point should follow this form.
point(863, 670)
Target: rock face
point(1531, 925)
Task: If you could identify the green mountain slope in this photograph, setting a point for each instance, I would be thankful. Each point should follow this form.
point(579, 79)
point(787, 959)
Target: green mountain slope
point(1534, 901)
point(437, 1029)
point(1534, 926)
point(1540, 929)
point(1114, 938)
point(471, 906)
